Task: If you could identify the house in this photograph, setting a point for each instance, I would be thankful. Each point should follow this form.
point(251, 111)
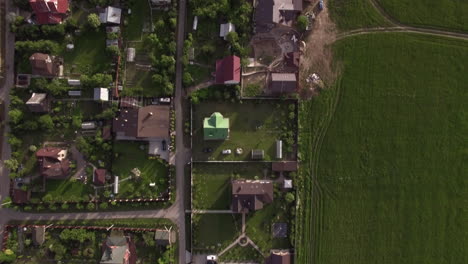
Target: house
point(101, 94)
point(111, 15)
point(165, 237)
point(45, 65)
point(144, 123)
point(53, 162)
point(38, 103)
point(280, 230)
point(284, 166)
point(216, 127)
point(118, 250)
point(38, 235)
point(228, 70)
point(279, 257)
point(269, 13)
point(258, 154)
point(49, 11)
point(99, 177)
point(224, 29)
point(283, 83)
point(251, 195)
point(20, 196)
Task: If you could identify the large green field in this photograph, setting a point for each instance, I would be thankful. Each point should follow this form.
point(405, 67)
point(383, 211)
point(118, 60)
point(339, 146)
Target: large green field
point(385, 152)
point(448, 14)
point(354, 14)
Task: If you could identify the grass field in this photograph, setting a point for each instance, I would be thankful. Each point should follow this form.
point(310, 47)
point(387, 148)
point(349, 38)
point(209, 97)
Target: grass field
point(354, 14)
point(242, 254)
point(66, 190)
point(212, 182)
point(447, 14)
point(213, 232)
point(89, 55)
point(388, 167)
point(253, 125)
point(136, 21)
point(130, 156)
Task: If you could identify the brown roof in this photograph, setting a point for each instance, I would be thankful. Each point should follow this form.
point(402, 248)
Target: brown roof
point(153, 121)
point(251, 195)
point(43, 64)
point(38, 103)
point(49, 152)
point(20, 196)
point(293, 59)
point(279, 257)
point(284, 166)
point(277, 11)
point(99, 176)
point(146, 122)
point(283, 83)
point(106, 132)
point(51, 165)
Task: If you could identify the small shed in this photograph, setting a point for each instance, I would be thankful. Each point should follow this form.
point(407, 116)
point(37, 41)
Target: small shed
point(165, 237)
point(279, 149)
point(38, 235)
point(74, 93)
point(130, 54)
point(99, 177)
point(195, 23)
point(288, 184)
point(111, 15)
point(112, 42)
point(258, 154)
point(74, 82)
point(101, 94)
point(38, 103)
point(225, 29)
point(280, 230)
point(116, 184)
point(70, 46)
point(88, 125)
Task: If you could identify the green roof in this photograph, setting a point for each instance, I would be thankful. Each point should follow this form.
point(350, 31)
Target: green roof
point(216, 127)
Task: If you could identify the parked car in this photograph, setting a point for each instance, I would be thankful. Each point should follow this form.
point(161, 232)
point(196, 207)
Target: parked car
point(211, 259)
point(165, 100)
point(164, 145)
point(227, 151)
point(207, 150)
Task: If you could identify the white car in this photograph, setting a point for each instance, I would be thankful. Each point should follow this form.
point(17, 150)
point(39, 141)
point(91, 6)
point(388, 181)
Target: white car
point(227, 152)
point(211, 257)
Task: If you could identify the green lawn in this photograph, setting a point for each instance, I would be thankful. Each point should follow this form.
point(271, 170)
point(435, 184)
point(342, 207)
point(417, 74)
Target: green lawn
point(389, 172)
point(242, 254)
point(89, 55)
point(260, 224)
point(130, 155)
point(253, 125)
point(447, 14)
point(199, 73)
point(212, 182)
point(354, 14)
point(140, 13)
point(66, 190)
point(213, 232)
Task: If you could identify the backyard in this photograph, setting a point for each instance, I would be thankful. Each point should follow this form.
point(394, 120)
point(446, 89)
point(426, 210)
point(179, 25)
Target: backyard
point(384, 177)
point(252, 125)
point(213, 232)
point(129, 155)
point(212, 182)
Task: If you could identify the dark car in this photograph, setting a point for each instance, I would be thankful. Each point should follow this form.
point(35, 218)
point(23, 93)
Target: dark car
point(207, 150)
point(164, 145)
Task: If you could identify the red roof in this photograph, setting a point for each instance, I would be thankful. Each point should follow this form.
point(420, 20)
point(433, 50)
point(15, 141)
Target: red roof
point(48, 152)
point(20, 196)
point(99, 177)
point(49, 11)
point(228, 70)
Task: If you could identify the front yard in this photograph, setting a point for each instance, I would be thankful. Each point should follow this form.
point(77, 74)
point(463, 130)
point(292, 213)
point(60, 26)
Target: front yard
point(253, 124)
point(129, 155)
point(213, 232)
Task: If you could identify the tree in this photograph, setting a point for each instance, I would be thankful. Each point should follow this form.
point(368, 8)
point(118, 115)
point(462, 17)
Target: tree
point(11, 164)
point(113, 51)
point(7, 256)
point(76, 121)
point(289, 197)
point(80, 235)
point(232, 37)
point(97, 80)
point(93, 21)
point(148, 237)
point(29, 125)
point(45, 121)
point(302, 23)
point(14, 141)
point(187, 79)
point(32, 148)
point(55, 87)
point(90, 206)
point(29, 47)
point(15, 116)
point(103, 205)
point(48, 198)
point(52, 31)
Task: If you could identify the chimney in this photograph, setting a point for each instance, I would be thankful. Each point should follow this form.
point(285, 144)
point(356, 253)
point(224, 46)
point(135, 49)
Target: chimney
point(150, 113)
point(125, 120)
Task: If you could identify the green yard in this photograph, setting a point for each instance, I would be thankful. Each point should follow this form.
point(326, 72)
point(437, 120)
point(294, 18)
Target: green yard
point(136, 21)
point(260, 225)
point(129, 155)
point(89, 55)
point(66, 190)
point(253, 125)
point(354, 14)
point(212, 182)
point(213, 232)
point(389, 172)
point(447, 14)
point(242, 254)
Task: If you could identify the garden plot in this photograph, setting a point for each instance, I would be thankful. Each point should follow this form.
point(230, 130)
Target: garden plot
point(253, 124)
